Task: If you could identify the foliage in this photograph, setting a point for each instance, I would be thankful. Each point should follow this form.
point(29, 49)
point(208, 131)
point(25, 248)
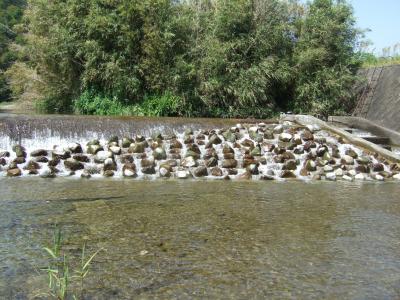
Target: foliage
point(221, 58)
point(369, 60)
point(10, 15)
point(60, 279)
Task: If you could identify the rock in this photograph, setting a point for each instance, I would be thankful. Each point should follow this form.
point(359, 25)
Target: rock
point(39, 152)
point(189, 162)
point(109, 164)
point(188, 139)
point(339, 172)
point(363, 160)
point(299, 150)
point(217, 172)
point(347, 160)
point(330, 176)
point(256, 151)
point(359, 177)
point(351, 153)
point(93, 169)
point(113, 140)
point(101, 156)
point(81, 157)
point(115, 150)
point(60, 154)
point(54, 162)
point(310, 166)
point(74, 148)
point(362, 169)
point(4, 154)
point(304, 172)
point(126, 142)
point(278, 129)
point(73, 164)
point(378, 167)
point(200, 172)
point(129, 170)
point(126, 158)
point(175, 144)
point(306, 135)
point(229, 163)
point(290, 165)
point(172, 163)
point(19, 160)
point(212, 162)
point(352, 173)
point(19, 151)
point(182, 174)
point(164, 172)
point(287, 174)
point(147, 163)
point(285, 137)
point(313, 128)
point(86, 175)
point(3, 161)
point(157, 136)
point(316, 177)
point(108, 173)
point(253, 169)
point(138, 147)
point(93, 142)
point(159, 154)
point(214, 140)
point(347, 178)
point(248, 143)
point(287, 155)
point(188, 131)
point(378, 177)
point(140, 139)
point(94, 149)
point(328, 169)
point(397, 176)
point(14, 172)
point(229, 136)
point(48, 174)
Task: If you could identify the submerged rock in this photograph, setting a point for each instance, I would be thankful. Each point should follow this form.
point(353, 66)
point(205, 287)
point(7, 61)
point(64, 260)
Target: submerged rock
point(200, 171)
point(14, 172)
point(39, 152)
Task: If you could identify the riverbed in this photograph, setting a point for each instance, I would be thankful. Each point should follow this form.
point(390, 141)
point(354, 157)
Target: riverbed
point(205, 239)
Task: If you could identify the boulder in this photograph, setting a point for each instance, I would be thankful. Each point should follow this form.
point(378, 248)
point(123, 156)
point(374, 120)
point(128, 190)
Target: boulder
point(330, 176)
point(347, 160)
point(175, 144)
point(32, 165)
point(362, 169)
point(351, 153)
point(101, 156)
point(278, 129)
point(214, 140)
point(229, 163)
point(363, 160)
point(397, 176)
point(182, 174)
point(39, 152)
point(256, 151)
point(54, 162)
point(129, 170)
point(138, 147)
point(347, 178)
point(140, 139)
point(253, 169)
point(108, 173)
point(310, 165)
point(285, 137)
point(212, 162)
point(81, 157)
point(378, 167)
point(109, 164)
point(200, 171)
point(74, 148)
point(4, 154)
point(359, 177)
point(306, 135)
point(216, 172)
point(115, 150)
point(248, 143)
point(19, 160)
point(3, 161)
point(126, 158)
point(159, 154)
point(287, 174)
point(93, 149)
point(189, 162)
point(126, 142)
point(93, 142)
point(73, 165)
point(19, 151)
point(60, 154)
point(14, 172)
point(113, 140)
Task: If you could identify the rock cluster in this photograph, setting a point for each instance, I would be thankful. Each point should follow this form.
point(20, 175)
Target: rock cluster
point(253, 151)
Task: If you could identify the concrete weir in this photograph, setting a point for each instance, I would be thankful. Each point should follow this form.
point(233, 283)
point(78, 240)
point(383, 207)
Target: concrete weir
point(350, 138)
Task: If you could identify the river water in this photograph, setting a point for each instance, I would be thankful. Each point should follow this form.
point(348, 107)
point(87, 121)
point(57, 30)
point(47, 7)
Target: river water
point(205, 239)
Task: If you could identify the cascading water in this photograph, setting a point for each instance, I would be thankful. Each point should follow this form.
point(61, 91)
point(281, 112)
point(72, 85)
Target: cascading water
point(150, 149)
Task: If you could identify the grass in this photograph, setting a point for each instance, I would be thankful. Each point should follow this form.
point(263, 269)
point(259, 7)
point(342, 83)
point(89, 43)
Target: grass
point(62, 280)
point(381, 62)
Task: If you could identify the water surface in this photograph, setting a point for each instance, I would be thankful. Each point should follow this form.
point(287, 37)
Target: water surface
point(214, 239)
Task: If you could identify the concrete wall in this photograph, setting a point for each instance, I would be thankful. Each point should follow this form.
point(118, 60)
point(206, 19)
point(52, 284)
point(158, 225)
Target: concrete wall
point(380, 98)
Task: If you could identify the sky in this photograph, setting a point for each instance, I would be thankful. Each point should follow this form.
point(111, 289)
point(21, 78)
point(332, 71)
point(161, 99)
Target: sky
point(382, 17)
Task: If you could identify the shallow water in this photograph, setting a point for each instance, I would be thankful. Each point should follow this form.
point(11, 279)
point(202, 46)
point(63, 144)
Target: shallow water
point(206, 239)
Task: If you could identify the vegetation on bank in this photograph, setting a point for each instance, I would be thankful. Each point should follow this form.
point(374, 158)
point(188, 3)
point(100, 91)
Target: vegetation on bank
point(236, 58)
point(371, 60)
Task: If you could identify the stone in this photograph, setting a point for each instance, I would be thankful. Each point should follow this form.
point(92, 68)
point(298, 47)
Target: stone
point(48, 174)
point(397, 176)
point(108, 173)
point(39, 152)
point(126, 158)
point(363, 160)
point(285, 137)
point(278, 129)
point(159, 154)
point(330, 176)
point(347, 178)
point(14, 172)
point(287, 174)
point(189, 162)
point(3, 161)
point(93, 169)
point(164, 172)
point(359, 177)
point(378, 177)
point(248, 143)
point(310, 165)
point(287, 155)
point(200, 171)
point(214, 140)
point(352, 173)
point(306, 135)
point(175, 144)
point(216, 172)
point(109, 164)
point(140, 139)
point(115, 150)
point(73, 165)
point(93, 149)
point(81, 157)
point(54, 162)
point(304, 172)
point(378, 167)
point(93, 142)
point(253, 169)
point(147, 163)
point(328, 169)
point(138, 147)
point(129, 170)
point(86, 175)
point(75, 148)
point(188, 139)
point(113, 139)
point(290, 165)
point(229, 136)
point(182, 174)
point(339, 172)
point(19, 160)
point(212, 162)
point(101, 156)
point(60, 154)
point(126, 142)
point(229, 163)
point(19, 150)
point(347, 160)
point(351, 153)
point(4, 154)
point(362, 169)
